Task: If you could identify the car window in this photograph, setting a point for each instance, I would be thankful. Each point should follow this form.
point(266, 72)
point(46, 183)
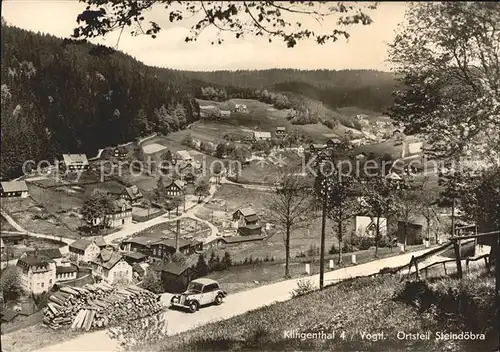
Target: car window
point(209, 288)
point(194, 286)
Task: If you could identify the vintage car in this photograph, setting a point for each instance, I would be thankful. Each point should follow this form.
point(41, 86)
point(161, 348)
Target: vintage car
point(200, 292)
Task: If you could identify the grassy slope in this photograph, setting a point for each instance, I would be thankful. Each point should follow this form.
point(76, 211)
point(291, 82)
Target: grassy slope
point(354, 307)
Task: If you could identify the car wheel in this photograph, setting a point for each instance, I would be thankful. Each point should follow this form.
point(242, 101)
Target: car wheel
point(218, 300)
point(193, 307)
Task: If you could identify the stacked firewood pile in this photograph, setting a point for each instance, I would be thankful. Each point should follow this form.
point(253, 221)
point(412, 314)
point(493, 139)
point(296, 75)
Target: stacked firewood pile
point(98, 306)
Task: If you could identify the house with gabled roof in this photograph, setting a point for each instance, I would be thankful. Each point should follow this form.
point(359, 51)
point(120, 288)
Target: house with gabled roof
point(262, 136)
point(51, 253)
point(140, 244)
point(183, 155)
point(132, 194)
point(99, 241)
point(247, 222)
point(14, 189)
point(37, 273)
point(75, 162)
point(175, 188)
point(119, 215)
point(83, 250)
point(240, 108)
point(167, 246)
point(111, 267)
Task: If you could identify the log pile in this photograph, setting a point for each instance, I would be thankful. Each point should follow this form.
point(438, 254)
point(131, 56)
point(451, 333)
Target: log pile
point(98, 306)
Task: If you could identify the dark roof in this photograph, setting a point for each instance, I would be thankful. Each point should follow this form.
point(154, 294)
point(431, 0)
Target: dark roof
point(66, 269)
point(177, 183)
point(136, 255)
point(99, 240)
point(138, 269)
point(174, 268)
point(246, 211)
point(80, 244)
point(14, 186)
point(133, 192)
point(182, 242)
point(238, 239)
point(108, 259)
point(8, 315)
point(32, 259)
point(252, 218)
point(251, 226)
point(118, 205)
point(144, 240)
point(52, 253)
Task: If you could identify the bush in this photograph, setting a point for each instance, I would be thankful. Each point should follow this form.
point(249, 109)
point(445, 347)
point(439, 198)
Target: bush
point(303, 286)
point(348, 247)
point(361, 243)
point(386, 242)
point(333, 250)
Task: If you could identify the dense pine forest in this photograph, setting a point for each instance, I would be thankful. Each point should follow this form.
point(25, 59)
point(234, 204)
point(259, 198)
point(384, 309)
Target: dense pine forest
point(366, 89)
point(61, 96)
point(65, 96)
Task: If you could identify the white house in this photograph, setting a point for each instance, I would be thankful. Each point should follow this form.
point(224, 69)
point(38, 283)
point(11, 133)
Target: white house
point(225, 113)
point(240, 108)
point(121, 214)
point(83, 250)
point(366, 226)
point(184, 156)
point(74, 162)
point(111, 267)
point(37, 273)
point(262, 136)
point(14, 189)
point(153, 148)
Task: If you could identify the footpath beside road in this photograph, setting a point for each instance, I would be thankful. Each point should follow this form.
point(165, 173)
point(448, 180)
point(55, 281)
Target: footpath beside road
point(236, 304)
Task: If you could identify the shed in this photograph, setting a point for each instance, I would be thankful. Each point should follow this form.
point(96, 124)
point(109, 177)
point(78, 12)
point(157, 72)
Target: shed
point(415, 230)
point(9, 315)
point(176, 277)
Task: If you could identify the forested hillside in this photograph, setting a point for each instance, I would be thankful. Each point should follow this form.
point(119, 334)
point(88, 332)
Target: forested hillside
point(64, 96)
point(366, 89)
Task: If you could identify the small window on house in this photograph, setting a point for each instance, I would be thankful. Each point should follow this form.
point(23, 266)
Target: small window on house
point(42, 284)
point(50, 282)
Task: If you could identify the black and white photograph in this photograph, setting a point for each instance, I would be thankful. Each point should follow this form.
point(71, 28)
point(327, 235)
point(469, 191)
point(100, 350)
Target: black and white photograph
point(250, 176)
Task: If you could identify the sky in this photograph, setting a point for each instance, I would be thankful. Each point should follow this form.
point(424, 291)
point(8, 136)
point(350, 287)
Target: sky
point(365, 49)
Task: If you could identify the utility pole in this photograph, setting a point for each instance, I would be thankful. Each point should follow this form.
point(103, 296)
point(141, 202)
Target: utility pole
point(322, 249)
point(456, 242)
point(497, 280)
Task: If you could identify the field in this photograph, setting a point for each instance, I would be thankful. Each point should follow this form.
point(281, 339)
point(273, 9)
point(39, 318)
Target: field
point(36, 218)
point(190, 228)
point(5, 226)
point(352, 309)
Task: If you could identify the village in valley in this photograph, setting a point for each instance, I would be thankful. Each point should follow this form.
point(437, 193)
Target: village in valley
point(258, 198)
